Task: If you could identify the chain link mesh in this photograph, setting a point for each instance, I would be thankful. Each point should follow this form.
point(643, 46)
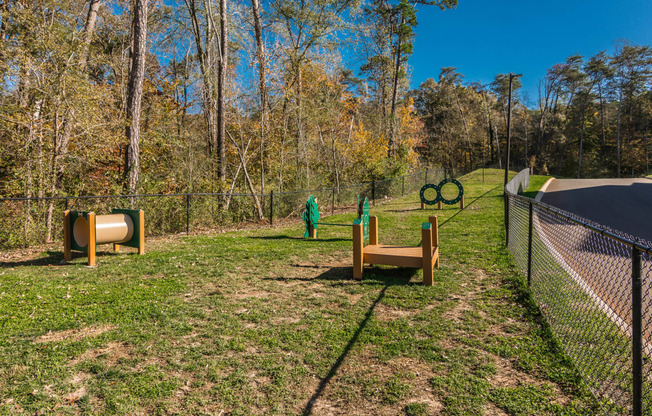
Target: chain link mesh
point(581, 278)
point(24, 222)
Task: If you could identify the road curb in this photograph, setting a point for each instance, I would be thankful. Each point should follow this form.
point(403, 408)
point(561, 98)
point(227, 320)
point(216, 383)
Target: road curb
point(542, 191)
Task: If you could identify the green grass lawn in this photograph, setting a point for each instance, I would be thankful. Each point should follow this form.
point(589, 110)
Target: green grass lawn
point(536, 182)
point(265, 322)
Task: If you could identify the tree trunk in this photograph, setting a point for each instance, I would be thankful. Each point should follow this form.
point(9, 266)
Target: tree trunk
point(282, 157)
point(500, 160)
point(205, 56)
point(466, 127)
point(262, 86)
point(392, 115)
point(221, 94)
point(337, 172)
point(135, 93)
point(302, 146)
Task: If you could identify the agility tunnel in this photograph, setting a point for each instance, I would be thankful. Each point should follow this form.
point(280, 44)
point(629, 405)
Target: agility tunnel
point(83, 231)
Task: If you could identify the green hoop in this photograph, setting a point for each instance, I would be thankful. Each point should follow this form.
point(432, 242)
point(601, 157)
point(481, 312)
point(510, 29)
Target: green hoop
point(440, 197)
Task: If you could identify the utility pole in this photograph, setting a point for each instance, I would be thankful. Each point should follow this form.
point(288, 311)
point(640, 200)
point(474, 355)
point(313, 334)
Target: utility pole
point(509, 123)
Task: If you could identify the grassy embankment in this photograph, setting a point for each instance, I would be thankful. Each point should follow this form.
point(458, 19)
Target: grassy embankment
point(264, 322)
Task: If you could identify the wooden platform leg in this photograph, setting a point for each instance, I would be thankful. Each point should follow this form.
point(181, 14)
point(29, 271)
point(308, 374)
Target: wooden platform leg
point(91, 239)
point(116, 248)
point(141, 245)
point(67, 235)
point(426, 247)
point(373, 230)
point(462, 203)
point(358, 248)
point(435, 236)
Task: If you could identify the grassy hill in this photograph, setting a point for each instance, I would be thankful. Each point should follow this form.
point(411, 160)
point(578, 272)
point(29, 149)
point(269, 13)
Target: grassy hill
point(265, 322)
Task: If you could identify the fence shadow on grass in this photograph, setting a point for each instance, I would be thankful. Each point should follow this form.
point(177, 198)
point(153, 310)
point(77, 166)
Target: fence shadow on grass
point(389, 277)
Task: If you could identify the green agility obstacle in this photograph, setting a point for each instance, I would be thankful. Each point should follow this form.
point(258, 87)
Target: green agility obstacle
point(440, 198)
point(311, 217)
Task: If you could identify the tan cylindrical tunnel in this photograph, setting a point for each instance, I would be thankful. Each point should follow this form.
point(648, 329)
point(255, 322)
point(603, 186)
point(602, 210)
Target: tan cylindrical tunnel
point(113, 228)
point(80, 231)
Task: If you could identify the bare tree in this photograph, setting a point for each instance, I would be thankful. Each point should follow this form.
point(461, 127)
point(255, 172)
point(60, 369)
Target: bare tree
point(262, 86)
point(135, 92)
point(221, 93)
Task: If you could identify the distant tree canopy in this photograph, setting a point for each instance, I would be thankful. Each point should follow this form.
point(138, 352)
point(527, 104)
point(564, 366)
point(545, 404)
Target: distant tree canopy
point(591, 119)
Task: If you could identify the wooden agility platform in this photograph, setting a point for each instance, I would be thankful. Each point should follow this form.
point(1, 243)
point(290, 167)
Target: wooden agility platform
point(425, 257)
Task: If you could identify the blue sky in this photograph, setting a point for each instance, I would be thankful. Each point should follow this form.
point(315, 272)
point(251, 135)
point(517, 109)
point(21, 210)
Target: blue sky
point(483, 38)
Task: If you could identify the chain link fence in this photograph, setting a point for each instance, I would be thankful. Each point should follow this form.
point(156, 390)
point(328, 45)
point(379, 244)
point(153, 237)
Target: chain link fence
point(594, 286)
point(30, 221)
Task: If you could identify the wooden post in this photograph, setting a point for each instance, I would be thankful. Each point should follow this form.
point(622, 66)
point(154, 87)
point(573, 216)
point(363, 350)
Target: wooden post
point(462, 203)
point(426, 247)
point(358, 249)
point(373, 230)
point(91, 239)
point(423, 206)
point(116, 248)
point(438, 204)
point(141, 245)
point(67, 235)
point(435, 236)
point(312, 231)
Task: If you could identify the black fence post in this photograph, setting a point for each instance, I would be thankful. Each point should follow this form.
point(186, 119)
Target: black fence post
point(637, 344)
point(67, 203)
point(425, 176)
point(373, 193)
point(333, 202)
point(529, 250)
point(271, 207)
point(403, 186)
point(507, 218)
point(187, 213)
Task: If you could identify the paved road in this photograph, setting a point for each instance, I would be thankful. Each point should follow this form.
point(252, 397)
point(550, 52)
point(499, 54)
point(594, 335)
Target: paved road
point(622, 204)
point(603, 270)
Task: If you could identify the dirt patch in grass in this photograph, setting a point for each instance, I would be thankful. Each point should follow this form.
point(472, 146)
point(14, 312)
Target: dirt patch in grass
point(112, 353)
point(385, 313)
point(257, 294)
point(458, 311)
point(71, 398)
point(354, 298)
point(507, 376)
point(491, 410)
point(74, 334)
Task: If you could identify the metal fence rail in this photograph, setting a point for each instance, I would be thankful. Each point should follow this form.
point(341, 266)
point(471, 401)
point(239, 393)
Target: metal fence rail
point(29, 221)
point(594, 286)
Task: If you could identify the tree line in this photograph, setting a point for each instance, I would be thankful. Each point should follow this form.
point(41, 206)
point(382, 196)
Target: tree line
point(591, 118)
point(152, 96)
point(148, 96)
